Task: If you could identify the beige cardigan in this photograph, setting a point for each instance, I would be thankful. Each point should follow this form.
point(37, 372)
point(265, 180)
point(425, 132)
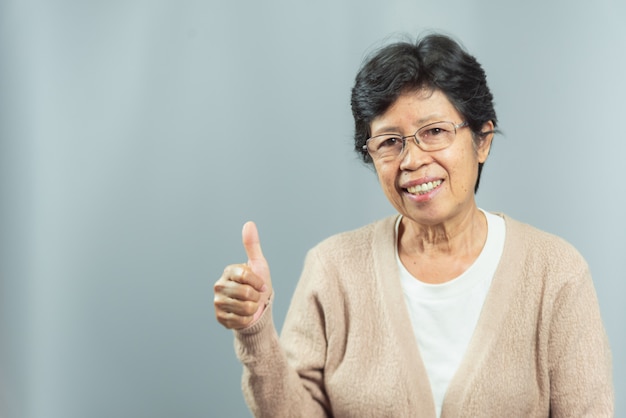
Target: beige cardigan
point(348, 350)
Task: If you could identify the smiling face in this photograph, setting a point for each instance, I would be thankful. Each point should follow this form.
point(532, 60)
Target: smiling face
point(436, 187)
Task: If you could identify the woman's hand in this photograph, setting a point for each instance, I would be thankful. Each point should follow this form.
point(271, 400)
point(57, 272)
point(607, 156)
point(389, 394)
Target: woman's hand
point(244, 290)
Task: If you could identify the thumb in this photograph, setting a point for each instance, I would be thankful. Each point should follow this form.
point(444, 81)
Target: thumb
point(258, 264)
point(252, 245)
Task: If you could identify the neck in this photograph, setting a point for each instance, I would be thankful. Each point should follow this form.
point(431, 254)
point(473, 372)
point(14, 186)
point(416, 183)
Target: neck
point(460, 237)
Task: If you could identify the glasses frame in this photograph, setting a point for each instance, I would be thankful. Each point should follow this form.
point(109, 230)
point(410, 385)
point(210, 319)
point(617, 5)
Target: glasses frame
point(456, 126)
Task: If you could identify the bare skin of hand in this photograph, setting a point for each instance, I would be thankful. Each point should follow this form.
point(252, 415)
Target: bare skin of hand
point(243, 291)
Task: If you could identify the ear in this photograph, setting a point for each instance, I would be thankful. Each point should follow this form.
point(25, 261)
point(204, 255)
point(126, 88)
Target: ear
point(485, 142)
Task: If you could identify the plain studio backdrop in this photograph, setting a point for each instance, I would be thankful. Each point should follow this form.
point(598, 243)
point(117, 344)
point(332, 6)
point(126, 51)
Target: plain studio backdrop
point(136, 138)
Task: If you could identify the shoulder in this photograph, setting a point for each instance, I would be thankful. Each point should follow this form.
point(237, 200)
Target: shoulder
point(540, 249)
point(360, 238)
point(339, 264)
point(357, 244)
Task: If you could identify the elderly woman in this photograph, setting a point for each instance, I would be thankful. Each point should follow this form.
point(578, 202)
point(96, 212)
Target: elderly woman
point(442, 310)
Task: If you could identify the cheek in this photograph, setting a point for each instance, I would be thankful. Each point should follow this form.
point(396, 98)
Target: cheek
point(463, 169)
point(381, 172)
point(386, 178)
point(469, 171)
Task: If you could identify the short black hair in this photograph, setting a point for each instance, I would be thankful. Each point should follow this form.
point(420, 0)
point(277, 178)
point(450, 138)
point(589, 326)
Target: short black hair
point(434, 62)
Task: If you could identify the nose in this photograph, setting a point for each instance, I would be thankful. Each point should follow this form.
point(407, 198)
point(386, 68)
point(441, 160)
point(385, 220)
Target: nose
point(412, 156)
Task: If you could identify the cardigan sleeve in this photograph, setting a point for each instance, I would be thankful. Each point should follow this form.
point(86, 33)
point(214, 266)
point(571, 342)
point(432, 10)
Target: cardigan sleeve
point(580, 358)
point(285, 378)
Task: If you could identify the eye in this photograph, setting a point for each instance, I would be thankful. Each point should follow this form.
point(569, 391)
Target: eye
point(389, 141)
point(386, 142)
point(436, 132)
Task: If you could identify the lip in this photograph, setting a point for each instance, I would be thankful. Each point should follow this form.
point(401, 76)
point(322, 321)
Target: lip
point(419, 181)
point(421, 197)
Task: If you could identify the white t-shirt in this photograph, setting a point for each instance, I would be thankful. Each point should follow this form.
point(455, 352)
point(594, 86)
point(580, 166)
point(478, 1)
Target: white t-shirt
point(444, 316)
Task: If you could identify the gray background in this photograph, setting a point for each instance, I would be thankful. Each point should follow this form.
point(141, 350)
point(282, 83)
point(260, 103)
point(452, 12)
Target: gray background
point(136, 137)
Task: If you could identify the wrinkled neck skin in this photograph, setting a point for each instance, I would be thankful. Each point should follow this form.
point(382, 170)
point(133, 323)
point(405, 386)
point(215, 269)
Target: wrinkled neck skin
point(461, 237)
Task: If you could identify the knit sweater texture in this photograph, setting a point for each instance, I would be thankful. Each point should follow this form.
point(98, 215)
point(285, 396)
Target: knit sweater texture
point(347, 348)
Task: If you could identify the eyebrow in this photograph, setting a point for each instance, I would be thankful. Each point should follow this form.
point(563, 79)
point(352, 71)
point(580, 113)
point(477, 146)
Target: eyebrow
point(388, 129)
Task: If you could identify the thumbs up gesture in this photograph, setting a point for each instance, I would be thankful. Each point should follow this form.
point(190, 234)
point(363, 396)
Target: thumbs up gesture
point(244, 290)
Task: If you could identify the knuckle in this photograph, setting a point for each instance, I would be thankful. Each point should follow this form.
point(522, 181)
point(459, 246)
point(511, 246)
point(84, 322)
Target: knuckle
point(245, 322)
point(221, 311)
point(218, 300)
point(218, 286)
point(249, 293)
point(250, 308)
point(226, 272)
point(222, 318)
point(234, 271)
point(232, 321)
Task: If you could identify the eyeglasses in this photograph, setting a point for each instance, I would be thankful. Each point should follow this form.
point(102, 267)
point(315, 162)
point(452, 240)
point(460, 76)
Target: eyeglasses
point(432, 137)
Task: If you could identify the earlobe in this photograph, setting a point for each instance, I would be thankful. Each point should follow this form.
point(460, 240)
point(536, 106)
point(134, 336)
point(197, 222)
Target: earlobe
point(485, 143)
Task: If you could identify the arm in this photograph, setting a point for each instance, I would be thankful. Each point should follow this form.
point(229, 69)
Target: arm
point(285, 378)
point(272, 387)
point(580, 358)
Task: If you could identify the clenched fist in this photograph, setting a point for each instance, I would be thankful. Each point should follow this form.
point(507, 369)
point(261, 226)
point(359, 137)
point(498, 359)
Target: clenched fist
point(244, 290)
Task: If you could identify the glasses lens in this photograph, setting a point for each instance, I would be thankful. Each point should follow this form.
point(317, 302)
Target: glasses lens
point(384, 146)
point(436, 136)
point(432, 137)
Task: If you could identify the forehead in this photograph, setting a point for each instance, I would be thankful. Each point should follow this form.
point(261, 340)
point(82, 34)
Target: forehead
point(413, 109)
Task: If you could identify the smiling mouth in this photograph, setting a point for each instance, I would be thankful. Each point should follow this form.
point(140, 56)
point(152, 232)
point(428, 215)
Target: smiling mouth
point(424, 187)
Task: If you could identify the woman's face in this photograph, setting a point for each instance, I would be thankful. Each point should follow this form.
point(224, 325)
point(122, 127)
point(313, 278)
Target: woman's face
point(448, 175)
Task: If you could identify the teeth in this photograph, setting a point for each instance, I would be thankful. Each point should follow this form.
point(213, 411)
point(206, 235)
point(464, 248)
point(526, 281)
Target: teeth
point(425, 187)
